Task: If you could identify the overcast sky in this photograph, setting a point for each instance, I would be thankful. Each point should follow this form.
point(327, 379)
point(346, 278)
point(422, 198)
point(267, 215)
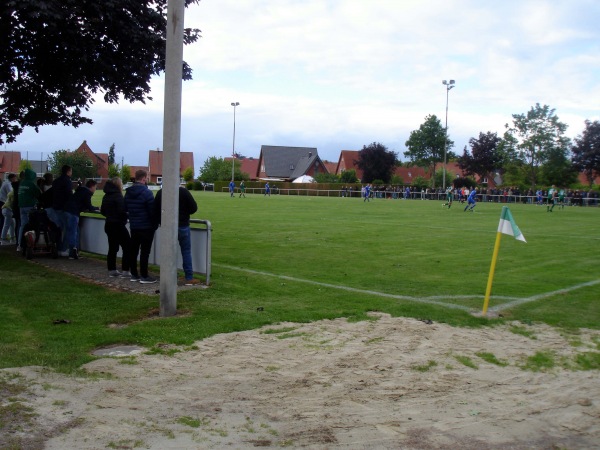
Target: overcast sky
point(340, 74)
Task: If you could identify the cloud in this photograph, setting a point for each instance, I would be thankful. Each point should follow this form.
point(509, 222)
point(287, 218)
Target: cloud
point(342, 74)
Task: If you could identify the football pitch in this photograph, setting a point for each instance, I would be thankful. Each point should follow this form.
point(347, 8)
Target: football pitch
point(408, 251)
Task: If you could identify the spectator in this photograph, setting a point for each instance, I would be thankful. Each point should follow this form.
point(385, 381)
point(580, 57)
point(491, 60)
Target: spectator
point(62, 190)
point(187, 207)
point(139, 204)
point(4, 190)
point(27, 199)
point(113, 208)
point(8, 228)
point(80, 201)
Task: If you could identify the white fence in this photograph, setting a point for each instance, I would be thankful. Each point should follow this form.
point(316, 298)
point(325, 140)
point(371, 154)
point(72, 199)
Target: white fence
point(93, 239)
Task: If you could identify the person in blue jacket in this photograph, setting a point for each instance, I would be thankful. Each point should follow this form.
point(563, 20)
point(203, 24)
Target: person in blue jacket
point(471, 200)
point(231, 188)
point(139, 204)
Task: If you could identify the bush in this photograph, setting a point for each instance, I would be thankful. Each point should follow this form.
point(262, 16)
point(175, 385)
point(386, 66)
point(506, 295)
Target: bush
point(197, 185)
point(189, 185)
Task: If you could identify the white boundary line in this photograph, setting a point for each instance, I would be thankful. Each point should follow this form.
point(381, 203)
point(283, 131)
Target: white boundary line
point(432, 300)
point(534, 298)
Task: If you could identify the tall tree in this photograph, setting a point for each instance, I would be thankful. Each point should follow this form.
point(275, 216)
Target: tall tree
point(586, 151)
point(376, 162)
point(426, 145)
point(56, 54)
point(558, 168)
point(83, 166)
point(534, 135)
point(111, 154)
point(217, 169)
point(485, 156)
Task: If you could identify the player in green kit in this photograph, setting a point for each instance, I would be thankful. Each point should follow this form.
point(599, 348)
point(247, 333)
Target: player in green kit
point(552, 194)
point(561, 198)
point(449, 196)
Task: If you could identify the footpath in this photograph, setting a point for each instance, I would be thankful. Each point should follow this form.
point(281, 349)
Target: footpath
point(92, 268)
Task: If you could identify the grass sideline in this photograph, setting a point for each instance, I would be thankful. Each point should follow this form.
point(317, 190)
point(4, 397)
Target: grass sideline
point(302, 259)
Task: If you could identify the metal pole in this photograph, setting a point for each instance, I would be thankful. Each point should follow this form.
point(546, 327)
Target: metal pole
point(449, 85)
point(168, 246)
point(234, 104)
point(445, 142)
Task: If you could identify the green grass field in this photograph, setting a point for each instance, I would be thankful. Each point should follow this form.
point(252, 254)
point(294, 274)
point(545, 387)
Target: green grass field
point(302, 259)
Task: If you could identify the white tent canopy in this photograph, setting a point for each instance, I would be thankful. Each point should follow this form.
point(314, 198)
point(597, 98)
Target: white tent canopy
point(304, 179)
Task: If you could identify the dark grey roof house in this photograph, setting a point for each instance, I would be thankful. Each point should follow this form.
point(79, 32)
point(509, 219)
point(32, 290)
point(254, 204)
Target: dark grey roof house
point(289, 163)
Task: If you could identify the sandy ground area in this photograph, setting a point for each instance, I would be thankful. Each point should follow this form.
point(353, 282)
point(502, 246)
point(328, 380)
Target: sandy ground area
point(392, 383)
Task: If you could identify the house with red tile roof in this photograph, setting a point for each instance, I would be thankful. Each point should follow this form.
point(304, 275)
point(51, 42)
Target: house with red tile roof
point(155, 164)
point(249, 165)
point(100, 160)
point(9, 163)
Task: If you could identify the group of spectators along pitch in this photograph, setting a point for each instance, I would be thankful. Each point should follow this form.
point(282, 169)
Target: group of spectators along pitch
point(63, 206)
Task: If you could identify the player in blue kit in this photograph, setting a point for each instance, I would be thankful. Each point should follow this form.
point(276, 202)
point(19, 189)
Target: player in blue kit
point(471, 200)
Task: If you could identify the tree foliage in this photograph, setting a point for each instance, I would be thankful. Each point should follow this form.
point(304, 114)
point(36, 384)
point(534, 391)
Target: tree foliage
point(322, 177)
point(125, 173)
point(348, 176)
point(188, 174)
point(586, 151)
point(534, 135)
point(558, 168)
point(485, 155)
point(111, 154)
point(376, 162)
point(426, 145)
point(217, 169)
point(114, 171)
point(56, 54)
point(83, 166)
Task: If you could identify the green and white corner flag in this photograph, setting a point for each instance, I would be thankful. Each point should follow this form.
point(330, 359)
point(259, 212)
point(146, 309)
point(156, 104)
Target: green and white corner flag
point(508, 226)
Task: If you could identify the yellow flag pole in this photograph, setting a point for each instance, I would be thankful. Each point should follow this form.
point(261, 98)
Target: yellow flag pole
point(488, 290)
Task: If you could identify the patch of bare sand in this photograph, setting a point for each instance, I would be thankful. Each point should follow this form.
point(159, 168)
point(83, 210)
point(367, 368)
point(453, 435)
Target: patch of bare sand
point(330, 384)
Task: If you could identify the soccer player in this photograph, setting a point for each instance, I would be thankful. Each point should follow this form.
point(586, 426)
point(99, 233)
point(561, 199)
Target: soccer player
point(561, 198)
point(449, 196)
point(552, 194)
point(367, 193)
point(231, 188)
point(471, 200)
point(538, 193)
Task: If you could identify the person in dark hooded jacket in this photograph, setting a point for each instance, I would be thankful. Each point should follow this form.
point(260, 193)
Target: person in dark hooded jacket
point(139, 204)
point(113, 208)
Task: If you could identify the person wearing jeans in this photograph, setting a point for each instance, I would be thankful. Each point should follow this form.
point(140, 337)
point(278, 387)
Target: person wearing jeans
point(80, 201)
point(187, 207)
point(139, 204)
point(27, 199)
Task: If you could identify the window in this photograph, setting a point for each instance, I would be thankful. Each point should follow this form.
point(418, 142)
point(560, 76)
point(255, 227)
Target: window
point(159, 180)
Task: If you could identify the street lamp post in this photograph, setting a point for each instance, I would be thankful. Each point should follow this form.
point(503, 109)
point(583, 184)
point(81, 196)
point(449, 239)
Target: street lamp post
point(234, 104)
point(449, 85)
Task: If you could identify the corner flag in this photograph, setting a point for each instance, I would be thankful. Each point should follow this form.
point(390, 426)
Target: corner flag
point(508, 226)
